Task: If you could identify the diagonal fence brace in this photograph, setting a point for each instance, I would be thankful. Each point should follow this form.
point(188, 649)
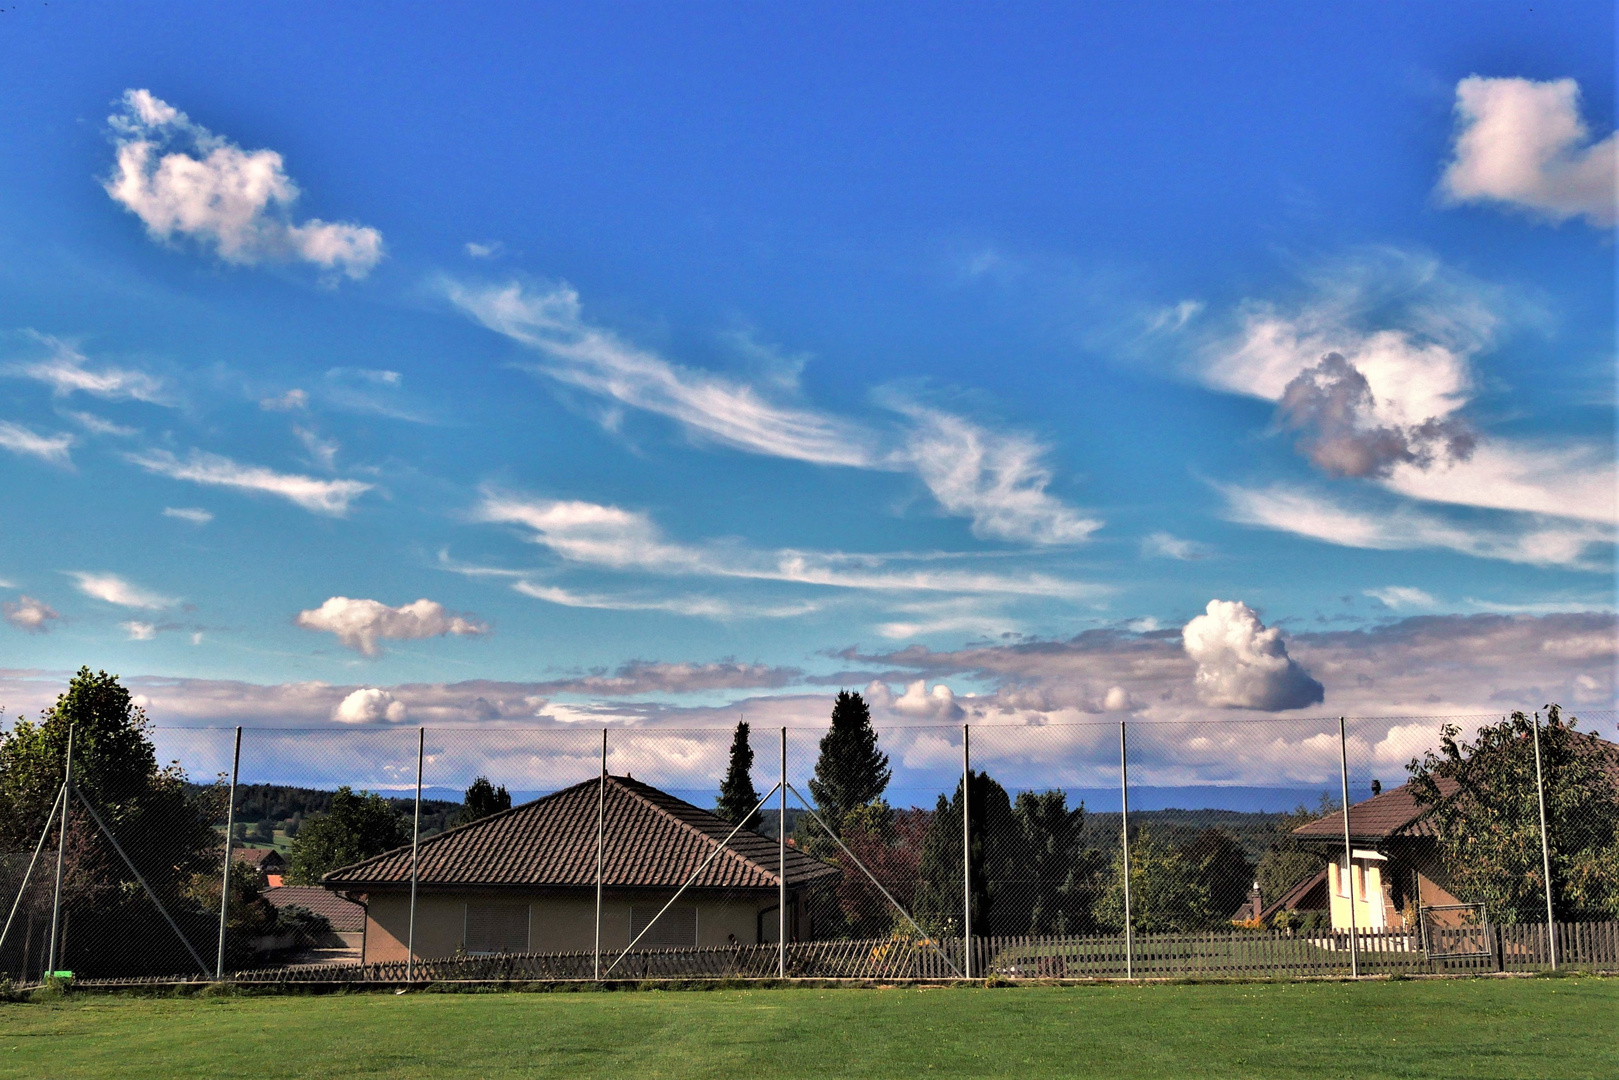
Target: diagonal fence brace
point(694, 875)
point(131, 864)
point(924, 937)
point(50, 819)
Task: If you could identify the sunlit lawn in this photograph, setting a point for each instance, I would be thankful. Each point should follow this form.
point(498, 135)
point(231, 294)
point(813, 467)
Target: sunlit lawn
point(1475, 1029)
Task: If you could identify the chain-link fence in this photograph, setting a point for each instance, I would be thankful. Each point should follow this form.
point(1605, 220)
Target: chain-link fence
point(1101, 850)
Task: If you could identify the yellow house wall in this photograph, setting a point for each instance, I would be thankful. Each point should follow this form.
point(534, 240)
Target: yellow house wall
point(556, 923)
point(1372, 904)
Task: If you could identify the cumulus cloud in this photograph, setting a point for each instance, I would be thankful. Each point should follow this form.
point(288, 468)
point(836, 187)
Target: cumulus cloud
point(361, 624)
point(612, 537)
point(28, 614)
point(998, 479)
point(181, 179)
point(194, 514)
point(1537, 541)
point(66, 372)
point(710, 406)
point(1521, 143)
point(319, 496)
point(54, 449)
point(1332, 404)
point(369, 706)
point(918, 701)
point(1243, 664)
point(112, 589)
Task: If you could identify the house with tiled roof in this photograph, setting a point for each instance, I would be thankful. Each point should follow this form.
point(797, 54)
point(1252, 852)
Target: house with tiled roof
point(524, 880)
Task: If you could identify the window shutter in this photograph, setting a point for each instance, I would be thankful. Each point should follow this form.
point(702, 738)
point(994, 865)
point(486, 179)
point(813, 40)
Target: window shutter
point(676, 930)
point(497, 928)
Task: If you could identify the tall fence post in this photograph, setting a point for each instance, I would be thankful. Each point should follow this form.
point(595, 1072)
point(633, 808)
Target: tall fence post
point(781, 874)
point(966, 856)
point(415, 850)
point(1545, 852)
point(1124, 821)
point(1349, 855)
point(601, 837)
point(230, 831)
point(61, 854)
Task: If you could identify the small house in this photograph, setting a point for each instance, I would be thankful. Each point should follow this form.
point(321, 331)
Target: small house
point(525, 879)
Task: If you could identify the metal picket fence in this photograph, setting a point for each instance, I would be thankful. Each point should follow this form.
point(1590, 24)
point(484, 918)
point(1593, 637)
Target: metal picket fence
point(1131, 850)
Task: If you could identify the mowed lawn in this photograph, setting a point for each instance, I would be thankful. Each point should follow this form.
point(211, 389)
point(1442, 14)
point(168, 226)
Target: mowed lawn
point(1542, 1028)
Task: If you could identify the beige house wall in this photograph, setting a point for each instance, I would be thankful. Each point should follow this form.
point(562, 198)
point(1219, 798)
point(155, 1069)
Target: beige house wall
point(556, 923)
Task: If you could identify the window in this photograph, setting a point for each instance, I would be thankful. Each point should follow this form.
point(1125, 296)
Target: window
point(677, 929)
point(497, 928)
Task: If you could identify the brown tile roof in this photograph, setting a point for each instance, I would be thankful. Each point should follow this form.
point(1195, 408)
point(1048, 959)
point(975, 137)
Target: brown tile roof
point(257, 856)
point(1395, 812)
point(345, 915)
point(651, 839)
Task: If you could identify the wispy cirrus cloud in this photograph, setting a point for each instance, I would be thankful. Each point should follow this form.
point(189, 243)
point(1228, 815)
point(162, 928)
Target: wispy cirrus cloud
point(331, 497)
point(112, 589)
point(998, 480)
point(183, 180)
point(55, 449)
point(1523, 144)
point(611, 537)
point(1538, 541)
point(67, 371)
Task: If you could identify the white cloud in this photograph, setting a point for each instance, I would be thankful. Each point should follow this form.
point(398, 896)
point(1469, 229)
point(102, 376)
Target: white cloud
point(1398, 596)
point(320, 496)
point(237, 202)
point(708, 607)
point(140, 631)
point(1523, 143)
point(292, 401)
point(50, 448)
point(65, 373)
point(997, 479)
point(360, 624)
point(1539, 541)
point(1243, 665)
point(323, 451)
point(28, 614)
point(194, 514)
point(488, 249)
point(369, 706)
point(115, 590)
point(1572, 480)
point(1166, 546)
point(100, 425)
point(709, 406)
point(936, 704)
point(608, 536)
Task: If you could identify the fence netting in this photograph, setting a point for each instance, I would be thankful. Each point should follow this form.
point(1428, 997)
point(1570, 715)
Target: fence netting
point(1052, 851)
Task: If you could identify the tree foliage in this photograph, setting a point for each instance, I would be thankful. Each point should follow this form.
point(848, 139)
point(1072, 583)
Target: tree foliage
point(850, 771)
point(1168, 892)
point(737, 795)
point(356, 827)
point(482, 799)
point(1484, 804)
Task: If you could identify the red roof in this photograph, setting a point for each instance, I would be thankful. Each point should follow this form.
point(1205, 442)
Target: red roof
point(345, 915)
point(256, 856)
point(651, 840)
point(1395, 812)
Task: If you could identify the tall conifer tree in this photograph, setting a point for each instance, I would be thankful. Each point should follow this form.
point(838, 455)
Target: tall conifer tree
point(737, 795)
point(851, 771)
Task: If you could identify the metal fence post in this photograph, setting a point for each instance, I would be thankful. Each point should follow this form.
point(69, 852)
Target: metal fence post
point(601, 830)
point(61, 853)
point(781, 886)
point(1124, 821)
point(1349, 856)
point(1545, 852)
point(415, 846)
point(224, 881)
point(966, 857)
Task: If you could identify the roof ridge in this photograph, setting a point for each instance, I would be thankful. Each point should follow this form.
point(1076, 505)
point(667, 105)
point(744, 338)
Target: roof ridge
point(725, 848)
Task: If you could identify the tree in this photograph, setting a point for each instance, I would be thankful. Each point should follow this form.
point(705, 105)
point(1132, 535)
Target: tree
point(850, 771)
point(164, 825)
point(1056, 876)
point(1167, 891)
point(1484, 806)
point(1224, 867)
point(482, 799)
point(737, 795)
point(356, 827)
point(995, 836)
point(1286, 862)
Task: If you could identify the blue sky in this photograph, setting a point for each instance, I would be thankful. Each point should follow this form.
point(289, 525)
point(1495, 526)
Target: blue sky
point(737, 354)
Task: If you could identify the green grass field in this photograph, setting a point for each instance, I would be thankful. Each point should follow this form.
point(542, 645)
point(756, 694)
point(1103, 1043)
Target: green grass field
point(1541, 1028)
